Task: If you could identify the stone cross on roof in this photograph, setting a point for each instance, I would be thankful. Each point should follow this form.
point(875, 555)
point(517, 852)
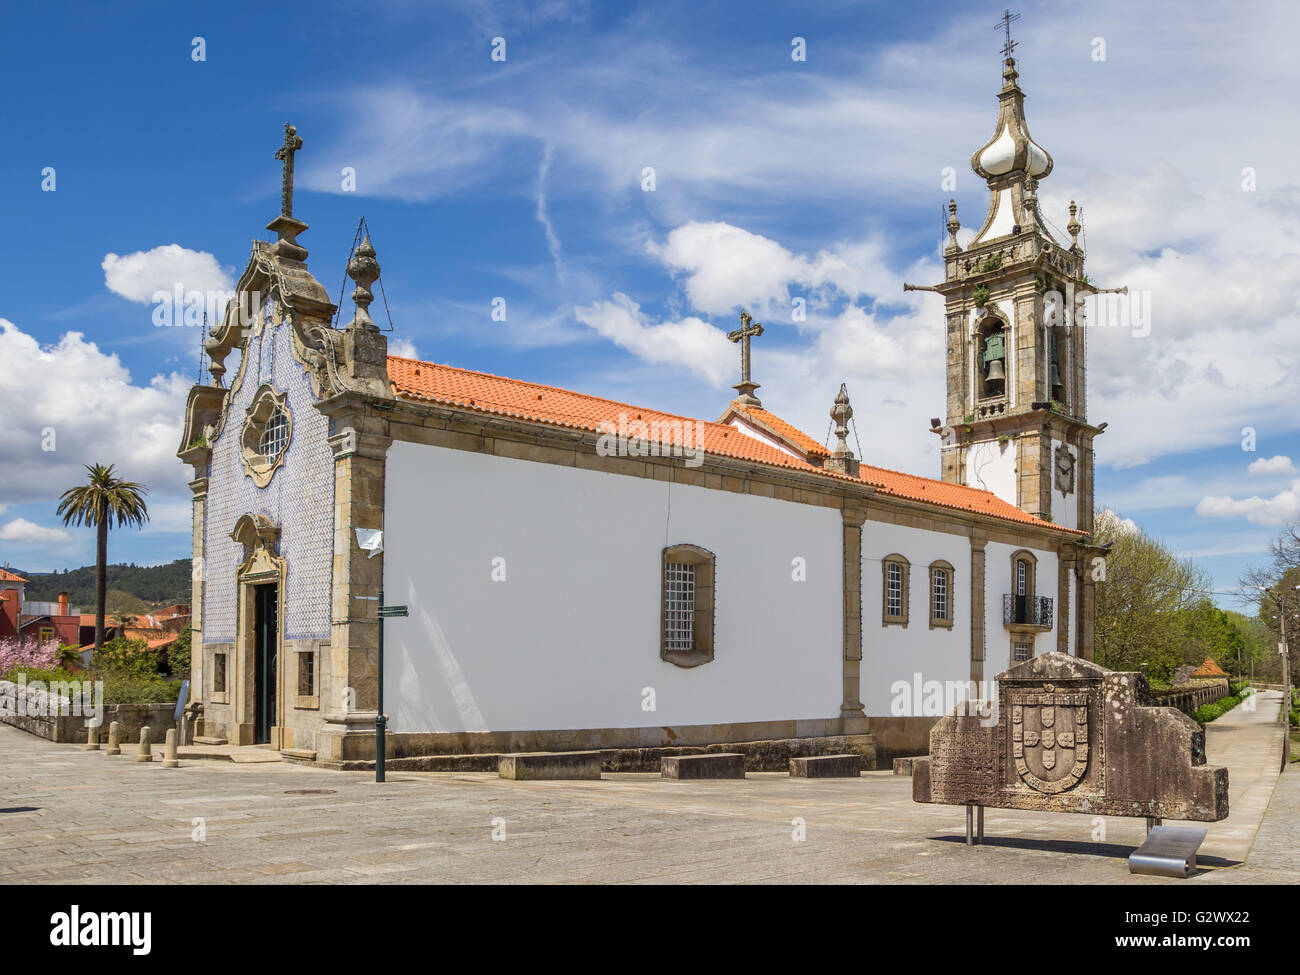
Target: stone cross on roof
point(748, 328)
point(292, 143)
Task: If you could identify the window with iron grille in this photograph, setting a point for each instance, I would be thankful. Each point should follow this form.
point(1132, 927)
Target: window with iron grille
point(275, 437)
point(679, 607)
point(307, 674)
point(1022, 651)
point(894, 598)
point(941, 575)
point(686, 605)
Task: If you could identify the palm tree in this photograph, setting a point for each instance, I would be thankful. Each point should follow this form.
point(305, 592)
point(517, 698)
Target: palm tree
point(104, 499)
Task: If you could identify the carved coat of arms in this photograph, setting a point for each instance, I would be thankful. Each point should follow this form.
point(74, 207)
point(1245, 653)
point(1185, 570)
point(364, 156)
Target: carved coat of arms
point(1064, 469)
point(1049, 738)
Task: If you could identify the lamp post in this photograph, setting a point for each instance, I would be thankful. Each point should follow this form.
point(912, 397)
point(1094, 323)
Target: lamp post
point(381, 719)
point(1285, 650)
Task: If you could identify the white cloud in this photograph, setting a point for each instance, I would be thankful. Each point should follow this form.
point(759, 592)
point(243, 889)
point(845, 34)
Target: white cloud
point(1164, 209)
point(137, 276)
point(1109, 521)
point(690, 343)
point(22, 531)
point(1281, 509)
point(403, 348)
point(83, 403)
point(1273, 465)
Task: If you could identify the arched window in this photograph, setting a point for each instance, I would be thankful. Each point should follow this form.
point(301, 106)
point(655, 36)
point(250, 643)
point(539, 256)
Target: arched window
point(941, 594)
point(991, 358)
point(894, 570)
point(1023, 568)
point(686, 605)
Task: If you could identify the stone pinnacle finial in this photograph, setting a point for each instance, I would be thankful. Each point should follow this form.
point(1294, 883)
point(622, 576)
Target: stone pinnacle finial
point(841, 459)
point(364, 270)
point(1030, 199)
point(954, 225)
point(1074, 226)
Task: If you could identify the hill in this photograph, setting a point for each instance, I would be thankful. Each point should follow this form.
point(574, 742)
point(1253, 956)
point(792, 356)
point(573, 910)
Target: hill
point(154, 585)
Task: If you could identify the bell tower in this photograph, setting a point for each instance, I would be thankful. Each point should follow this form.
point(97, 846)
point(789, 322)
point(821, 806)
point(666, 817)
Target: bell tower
point(1016, 419)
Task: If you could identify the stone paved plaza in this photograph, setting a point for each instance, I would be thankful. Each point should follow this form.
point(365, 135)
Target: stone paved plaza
point(72, 816)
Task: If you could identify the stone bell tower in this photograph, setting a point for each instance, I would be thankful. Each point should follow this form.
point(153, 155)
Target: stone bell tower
point(1016, 419)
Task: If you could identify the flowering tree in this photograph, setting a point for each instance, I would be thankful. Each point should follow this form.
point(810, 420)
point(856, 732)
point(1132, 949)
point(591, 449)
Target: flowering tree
point(28, 653)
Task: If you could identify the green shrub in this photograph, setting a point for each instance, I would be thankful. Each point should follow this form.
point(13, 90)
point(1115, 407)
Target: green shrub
point(127, 689)
point(127, 658)
point(178, 654)
point(1208, 712)
point(46, 674)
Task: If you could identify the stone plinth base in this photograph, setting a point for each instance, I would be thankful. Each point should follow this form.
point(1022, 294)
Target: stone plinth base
point(904, 766)
point(549, 765)
point(826, 767)
point(719, 765)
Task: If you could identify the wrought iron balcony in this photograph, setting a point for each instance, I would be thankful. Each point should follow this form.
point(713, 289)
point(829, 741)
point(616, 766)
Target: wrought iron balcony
point(1027, 611)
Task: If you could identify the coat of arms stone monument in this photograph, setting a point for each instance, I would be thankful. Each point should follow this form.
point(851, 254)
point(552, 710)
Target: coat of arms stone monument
point(1066, 735)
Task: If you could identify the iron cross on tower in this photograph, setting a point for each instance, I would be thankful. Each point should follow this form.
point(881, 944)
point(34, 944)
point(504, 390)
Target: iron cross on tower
point(1008, 18)
point(292, 143)
point(748, 328)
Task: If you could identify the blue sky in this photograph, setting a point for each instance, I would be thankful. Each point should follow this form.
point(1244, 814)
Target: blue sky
point(774, 179)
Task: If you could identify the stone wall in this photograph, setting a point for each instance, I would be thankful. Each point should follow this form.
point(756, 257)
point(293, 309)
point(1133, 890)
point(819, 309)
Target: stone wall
point(38, 720)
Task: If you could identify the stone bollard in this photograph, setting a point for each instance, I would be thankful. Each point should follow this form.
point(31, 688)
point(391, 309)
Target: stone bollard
point(92, 738)
point(169, 750)
point(146, 753)
point(114, 734)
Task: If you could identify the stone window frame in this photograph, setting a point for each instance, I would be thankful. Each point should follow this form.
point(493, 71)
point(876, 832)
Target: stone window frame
point(307, 699)
point(1031, 574)
point(941, 567)
point(900, 618)
point(267, 403)
point(705, 563)
point(220, 677)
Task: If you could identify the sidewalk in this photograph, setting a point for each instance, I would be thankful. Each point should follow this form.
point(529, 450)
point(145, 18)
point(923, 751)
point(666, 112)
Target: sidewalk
point(1249, 743)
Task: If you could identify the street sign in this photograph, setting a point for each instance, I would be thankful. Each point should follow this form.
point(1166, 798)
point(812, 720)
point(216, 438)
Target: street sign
point(393, 611)
point(180, 699)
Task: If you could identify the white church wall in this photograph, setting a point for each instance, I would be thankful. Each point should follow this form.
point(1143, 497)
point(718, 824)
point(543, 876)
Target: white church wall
point(991, 466)
point(1065, 507)
point(997, 582)
point(570, 638)
point(918, 652)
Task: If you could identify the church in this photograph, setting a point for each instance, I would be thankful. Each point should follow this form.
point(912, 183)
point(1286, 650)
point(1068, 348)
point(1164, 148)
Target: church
point(581, 573)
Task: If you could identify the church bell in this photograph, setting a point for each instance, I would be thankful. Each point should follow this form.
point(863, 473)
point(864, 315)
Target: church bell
point(996, 372)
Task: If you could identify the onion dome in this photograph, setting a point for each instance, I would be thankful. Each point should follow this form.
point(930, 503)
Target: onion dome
point(1011, 149)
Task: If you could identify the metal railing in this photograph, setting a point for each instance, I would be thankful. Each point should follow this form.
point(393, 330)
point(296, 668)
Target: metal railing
point(1026, 610)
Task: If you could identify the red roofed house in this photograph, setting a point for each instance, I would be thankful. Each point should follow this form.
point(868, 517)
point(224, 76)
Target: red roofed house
point(586, 573)
point(12, 586)
point(1209, 669)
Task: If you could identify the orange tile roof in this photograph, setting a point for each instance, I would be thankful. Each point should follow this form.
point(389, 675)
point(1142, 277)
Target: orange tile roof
point(413, 379)
point(1210, 669)
point(7, 576)
point(784, 430)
